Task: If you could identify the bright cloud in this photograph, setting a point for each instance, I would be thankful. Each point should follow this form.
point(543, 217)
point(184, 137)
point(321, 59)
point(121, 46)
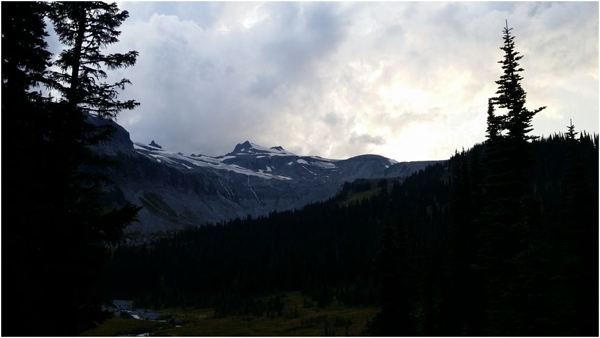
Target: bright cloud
point(401, 79)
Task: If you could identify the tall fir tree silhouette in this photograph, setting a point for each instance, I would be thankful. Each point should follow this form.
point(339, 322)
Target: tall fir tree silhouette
point(87, 27)
point(514, 127)
point(512, 252)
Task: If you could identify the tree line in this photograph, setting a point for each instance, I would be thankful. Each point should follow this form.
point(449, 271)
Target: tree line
point(519, 251)
point(499, 240)
point(420, 249)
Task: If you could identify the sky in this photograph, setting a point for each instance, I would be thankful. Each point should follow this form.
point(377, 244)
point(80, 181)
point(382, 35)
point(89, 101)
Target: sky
point(406, 80)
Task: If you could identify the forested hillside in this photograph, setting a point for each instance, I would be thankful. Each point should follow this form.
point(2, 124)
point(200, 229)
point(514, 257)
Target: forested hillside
point(420, 249)
point(500, 240)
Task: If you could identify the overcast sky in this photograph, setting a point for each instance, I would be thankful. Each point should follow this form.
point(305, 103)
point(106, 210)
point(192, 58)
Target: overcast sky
point(407, 80)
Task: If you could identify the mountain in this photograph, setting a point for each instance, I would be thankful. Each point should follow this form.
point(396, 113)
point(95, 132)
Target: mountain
point(179, 190)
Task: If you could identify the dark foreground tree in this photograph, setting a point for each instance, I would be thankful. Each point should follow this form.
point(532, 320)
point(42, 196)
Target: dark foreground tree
point(56, 232)
point(514, 127)
point(577, 259)
point(24, 62)
point(394, 318)
point(513, 254)
point(86, 27)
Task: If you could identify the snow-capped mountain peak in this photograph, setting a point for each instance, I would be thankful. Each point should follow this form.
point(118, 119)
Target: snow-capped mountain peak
point(249, 148)
point(155, 145)
point(193, 161)
point(178, 190)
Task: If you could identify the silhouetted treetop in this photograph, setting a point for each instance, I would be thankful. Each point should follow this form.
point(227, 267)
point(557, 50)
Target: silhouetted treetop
point(88, 27)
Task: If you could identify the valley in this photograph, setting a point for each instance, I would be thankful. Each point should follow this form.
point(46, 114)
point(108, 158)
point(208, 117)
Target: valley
point(293, 315)
point(179, 190)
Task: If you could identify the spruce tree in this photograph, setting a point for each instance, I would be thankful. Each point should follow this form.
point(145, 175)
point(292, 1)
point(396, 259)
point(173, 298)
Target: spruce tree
point(57, 239)
point(511, 95)
point(25, 59)
point(517, 122)
point(88, 27)
point(494, 123)
point(394, 318)
point(24, 62)
point(578, 273)
point(512, 254)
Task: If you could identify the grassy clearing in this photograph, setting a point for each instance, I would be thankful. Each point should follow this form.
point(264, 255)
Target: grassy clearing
point(120, 326)
point(297, 320)
point(357, 197)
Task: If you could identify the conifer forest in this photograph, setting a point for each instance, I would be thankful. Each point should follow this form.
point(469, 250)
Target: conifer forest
point(501, 239)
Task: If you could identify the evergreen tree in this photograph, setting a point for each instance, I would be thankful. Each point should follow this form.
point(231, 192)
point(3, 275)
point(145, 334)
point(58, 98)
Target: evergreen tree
point(394, 318)
point(494, 123)
point(511, 95)
point(87, 27)
point(574, 177)
point(578, 263)
point(512, 253)
point(23, 30)
point(59, 229)
point(518, 119)
point(24, 61)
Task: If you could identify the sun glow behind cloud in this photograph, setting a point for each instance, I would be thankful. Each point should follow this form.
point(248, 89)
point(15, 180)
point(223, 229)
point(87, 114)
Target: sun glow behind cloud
point(410, 99)
point(405, 80)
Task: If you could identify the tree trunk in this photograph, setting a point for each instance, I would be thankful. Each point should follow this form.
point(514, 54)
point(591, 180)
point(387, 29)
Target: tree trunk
point(81, 23)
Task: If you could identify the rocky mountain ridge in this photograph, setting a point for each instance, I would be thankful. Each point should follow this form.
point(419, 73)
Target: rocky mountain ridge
point(179, 190)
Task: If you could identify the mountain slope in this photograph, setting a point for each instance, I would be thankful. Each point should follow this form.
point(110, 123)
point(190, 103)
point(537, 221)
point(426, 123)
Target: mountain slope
point(179, 190)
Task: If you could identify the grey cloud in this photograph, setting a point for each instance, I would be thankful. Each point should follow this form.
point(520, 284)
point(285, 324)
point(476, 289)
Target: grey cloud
point(302, 76)
point(366, 139)
point(311, 33)
point(332, 119)
point(204, 13)
point(405, 119)
point(500, 6)
point(537, 8)
point(262, 86)
point(394, 30)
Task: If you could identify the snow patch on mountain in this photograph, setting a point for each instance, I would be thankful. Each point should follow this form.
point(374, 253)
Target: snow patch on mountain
point(255, 195)
point(308, 170)
point(161, 155)
point(319, 158)
point(324, 165)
